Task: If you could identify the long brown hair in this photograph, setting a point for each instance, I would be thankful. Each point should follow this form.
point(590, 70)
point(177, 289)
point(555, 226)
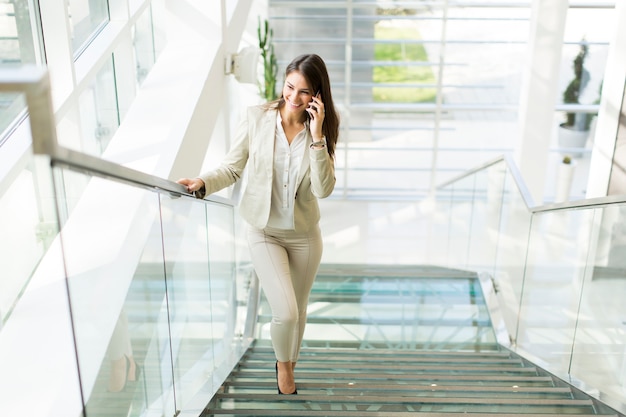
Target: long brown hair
point(313, 68)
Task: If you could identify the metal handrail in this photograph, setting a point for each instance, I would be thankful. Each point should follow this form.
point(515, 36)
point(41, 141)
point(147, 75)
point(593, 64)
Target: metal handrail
point(34, 83)
point(103, 168)
point(526, 196)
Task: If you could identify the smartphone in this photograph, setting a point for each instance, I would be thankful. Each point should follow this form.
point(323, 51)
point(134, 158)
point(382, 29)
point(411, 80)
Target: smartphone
point(308, 116)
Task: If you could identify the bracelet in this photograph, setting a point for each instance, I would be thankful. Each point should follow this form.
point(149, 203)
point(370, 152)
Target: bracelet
point(320, 144)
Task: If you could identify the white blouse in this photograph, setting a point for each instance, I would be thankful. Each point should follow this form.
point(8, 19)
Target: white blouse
point(287, 163)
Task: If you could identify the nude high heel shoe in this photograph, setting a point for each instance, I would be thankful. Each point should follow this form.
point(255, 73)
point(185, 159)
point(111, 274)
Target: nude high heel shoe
point(278, 386)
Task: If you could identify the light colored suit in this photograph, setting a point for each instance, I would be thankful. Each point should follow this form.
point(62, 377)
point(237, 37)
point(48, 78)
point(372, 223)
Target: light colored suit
point(253, 144)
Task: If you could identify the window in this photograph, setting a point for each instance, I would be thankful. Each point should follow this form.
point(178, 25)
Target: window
point(20, 44)
point(87, 17)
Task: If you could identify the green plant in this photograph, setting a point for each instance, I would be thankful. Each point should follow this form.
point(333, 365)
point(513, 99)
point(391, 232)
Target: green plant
point(267, 87)
point(411, 75)
point(571, 95)
point(567, 159)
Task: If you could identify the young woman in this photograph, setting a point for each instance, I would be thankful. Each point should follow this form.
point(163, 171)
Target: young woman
point(288, 146)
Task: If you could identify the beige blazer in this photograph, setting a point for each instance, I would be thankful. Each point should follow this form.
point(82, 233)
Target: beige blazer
point(253, 145)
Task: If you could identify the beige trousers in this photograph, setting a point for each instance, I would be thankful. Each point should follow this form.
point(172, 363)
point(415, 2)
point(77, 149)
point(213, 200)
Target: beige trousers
point(286, 263)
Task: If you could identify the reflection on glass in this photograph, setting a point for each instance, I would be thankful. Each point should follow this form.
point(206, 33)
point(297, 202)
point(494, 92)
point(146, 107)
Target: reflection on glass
point(552, 284)
point(99, 111)
point(201, 294)
point(147, 41)
point(86, 17)
point(185, 246)
point(225, 295)
point(19, 45)
point(28, 224)
point(115, 273)
point(11, 105)
point(601, 327)
point(511, 240)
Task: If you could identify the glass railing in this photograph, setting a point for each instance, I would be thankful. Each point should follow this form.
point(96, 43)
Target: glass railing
point(141, 303)
point(557, 273)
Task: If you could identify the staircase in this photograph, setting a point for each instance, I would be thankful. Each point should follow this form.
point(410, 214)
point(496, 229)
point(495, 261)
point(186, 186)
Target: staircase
point(360, 383)
point(394, 342)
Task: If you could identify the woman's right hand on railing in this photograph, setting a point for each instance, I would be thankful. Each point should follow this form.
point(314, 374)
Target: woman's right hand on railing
point(192, 184)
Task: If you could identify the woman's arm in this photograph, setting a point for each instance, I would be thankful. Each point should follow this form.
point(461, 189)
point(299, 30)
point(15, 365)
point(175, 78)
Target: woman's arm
point(322, 172)
point(229, 171)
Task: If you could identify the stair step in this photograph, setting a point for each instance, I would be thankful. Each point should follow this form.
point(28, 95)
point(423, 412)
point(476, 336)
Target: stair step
point(408, 360)
point(369, 353)
point(333, 368)
point(361, 413)
point(439, 378)
point(304, 401)
point(390, 387)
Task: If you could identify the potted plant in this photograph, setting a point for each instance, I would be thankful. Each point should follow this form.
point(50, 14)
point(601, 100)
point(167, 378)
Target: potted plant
point(574, 131)
point(267, 87)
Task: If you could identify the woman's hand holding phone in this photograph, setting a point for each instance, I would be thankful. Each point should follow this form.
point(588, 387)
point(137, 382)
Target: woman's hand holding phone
point(315, 110)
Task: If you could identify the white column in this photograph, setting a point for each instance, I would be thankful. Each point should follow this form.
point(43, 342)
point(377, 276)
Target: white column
point(605, 178)
point(604, 151)
point(539, 93)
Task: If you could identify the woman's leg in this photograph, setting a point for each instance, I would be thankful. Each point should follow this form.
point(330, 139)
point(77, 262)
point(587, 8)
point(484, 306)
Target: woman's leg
point(271, 264)
point(305, 254)
point(286, 264)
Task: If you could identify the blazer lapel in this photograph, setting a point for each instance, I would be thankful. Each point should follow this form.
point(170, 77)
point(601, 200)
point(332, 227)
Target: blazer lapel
point(267, 132)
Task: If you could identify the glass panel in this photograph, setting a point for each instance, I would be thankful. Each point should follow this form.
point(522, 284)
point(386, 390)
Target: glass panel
point(512, 241)
point(86, 17)
point(553, 278)
point(228, 297)
point(599, 352)
point(148, 41)
point(113, 260)
point(189, 294)
point(202, 295)
point(37, 334)
point(558, 275)
point(28, 221)
point(460, 222)
point(19, 40)
point(11, 105)
point(480, 250)
point(99, 112)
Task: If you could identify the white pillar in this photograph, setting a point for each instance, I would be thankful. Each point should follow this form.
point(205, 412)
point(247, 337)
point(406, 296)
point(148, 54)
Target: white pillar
point(539, 93)
point(608, 152)
point(605, 152)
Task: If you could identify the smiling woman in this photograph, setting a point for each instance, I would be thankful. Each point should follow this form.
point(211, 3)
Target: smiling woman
point(288, 145)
